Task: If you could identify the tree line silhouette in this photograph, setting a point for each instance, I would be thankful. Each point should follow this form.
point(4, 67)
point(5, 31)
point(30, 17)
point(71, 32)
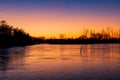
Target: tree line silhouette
point(90, 37)
point(10, 36)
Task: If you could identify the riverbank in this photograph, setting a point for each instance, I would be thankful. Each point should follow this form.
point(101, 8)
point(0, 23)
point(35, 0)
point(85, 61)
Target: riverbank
point(10, 36)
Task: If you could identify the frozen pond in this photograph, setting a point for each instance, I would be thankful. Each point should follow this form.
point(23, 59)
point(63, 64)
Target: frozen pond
point(61, 62)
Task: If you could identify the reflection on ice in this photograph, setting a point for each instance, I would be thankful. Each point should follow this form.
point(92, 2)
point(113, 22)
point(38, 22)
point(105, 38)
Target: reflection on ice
point(61, 62)
point(11, 59)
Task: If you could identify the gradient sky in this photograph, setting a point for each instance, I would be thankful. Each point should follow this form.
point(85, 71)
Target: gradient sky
point(52, 17)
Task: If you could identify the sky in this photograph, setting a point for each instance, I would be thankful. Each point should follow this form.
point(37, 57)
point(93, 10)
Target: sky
point(50, 18)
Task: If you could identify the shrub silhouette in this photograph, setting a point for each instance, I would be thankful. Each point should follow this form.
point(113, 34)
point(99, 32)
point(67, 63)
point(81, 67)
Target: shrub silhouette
point(10, 36)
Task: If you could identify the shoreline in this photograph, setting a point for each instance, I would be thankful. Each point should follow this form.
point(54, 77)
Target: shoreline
point(58, 44)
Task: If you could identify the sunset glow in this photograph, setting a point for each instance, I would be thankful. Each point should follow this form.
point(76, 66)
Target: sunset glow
point(50, 18)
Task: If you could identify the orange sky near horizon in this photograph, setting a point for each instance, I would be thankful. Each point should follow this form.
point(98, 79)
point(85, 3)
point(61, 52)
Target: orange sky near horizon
point(50, 18)
point(52, 23)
